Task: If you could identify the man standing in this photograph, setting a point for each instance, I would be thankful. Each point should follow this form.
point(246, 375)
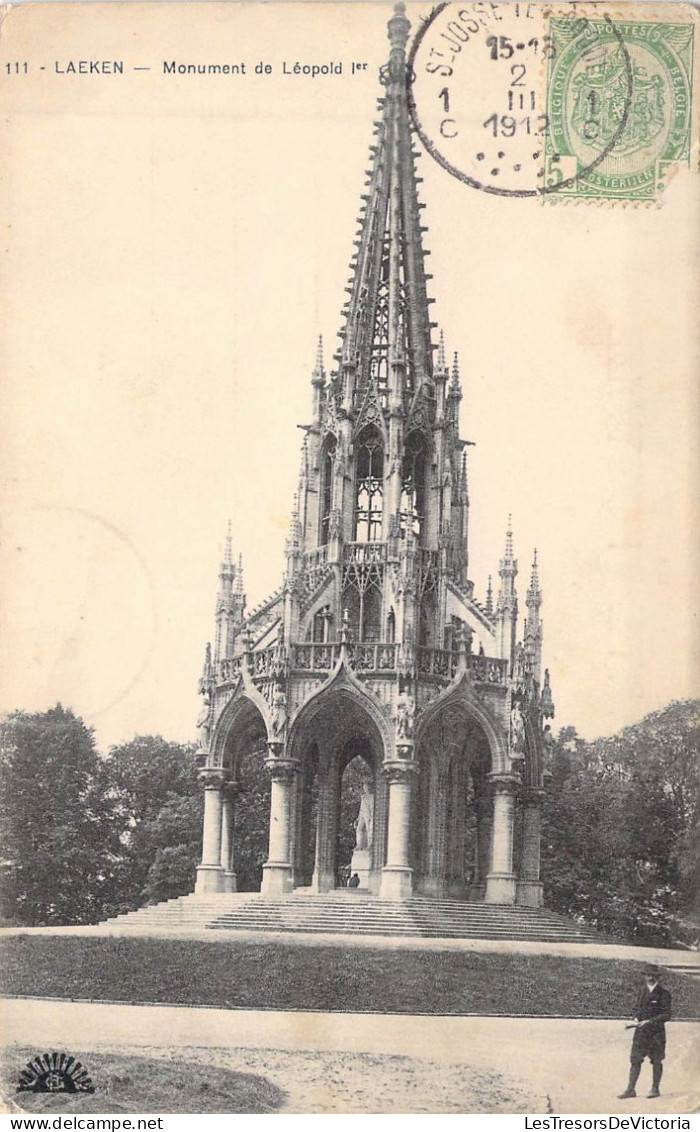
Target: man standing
point(652, 1011)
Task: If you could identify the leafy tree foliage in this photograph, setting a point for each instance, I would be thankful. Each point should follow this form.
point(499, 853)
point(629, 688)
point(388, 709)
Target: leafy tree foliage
point(252, 823)
point(160, 804)
point(59, 840)
point(82, 837)
point(622, 825)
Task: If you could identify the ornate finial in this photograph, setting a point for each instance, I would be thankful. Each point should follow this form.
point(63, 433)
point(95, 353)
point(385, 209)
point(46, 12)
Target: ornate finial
point(463, 481)
point(227, 571)
point(534, 578)
point(546, 701)
point(303, 466)
point(228, 546)
point(456, 385)
point(239, 576)
point(293, 542)
point(489, 596)
point(398, 27)
point(319, 374)
point(509, 538)
point(442, 360)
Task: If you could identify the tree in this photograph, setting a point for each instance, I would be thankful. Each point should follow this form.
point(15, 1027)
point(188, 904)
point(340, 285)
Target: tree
point(160, 805)
point(58, 824)
point(621, 830)
point(659, 757)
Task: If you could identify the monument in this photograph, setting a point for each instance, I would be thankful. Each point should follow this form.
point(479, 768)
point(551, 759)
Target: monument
point(376, 642)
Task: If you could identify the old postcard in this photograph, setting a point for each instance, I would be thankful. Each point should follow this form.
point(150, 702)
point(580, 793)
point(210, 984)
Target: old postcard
point(348, 570)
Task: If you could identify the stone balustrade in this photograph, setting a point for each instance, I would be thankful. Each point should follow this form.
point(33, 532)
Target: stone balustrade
point(315, 558)
point(362, 657)
point(364, 553)
point(375, 657)
point(444, 663)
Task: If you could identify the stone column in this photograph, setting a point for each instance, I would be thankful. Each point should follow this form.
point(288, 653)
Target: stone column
point(432, 878)
point(210, 875)
point(530, 887)
point(323, 879)
point(277, 871)
point(500, 883)
point(228, 812)
point(484, 819)
point(397, 875)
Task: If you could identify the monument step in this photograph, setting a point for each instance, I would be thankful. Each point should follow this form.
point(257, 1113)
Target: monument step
point(350, 912)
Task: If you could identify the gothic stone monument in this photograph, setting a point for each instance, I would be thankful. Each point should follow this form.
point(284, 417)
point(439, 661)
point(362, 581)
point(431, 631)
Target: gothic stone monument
point(375, 644)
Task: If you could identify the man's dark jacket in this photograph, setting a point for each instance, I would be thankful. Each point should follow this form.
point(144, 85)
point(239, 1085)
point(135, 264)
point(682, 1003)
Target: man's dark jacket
point(654, 1008)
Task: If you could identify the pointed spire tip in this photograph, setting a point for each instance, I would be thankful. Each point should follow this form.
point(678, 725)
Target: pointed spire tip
point(442, 361)
point(228, 545)
point(509, 539)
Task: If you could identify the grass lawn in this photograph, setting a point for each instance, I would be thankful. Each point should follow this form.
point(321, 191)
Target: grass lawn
point(145, 1084)
point(325, 977)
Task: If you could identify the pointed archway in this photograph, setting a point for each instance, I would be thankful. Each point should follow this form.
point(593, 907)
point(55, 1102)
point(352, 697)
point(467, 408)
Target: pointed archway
point(451, 822)
point(237, 800)
point(337, 727)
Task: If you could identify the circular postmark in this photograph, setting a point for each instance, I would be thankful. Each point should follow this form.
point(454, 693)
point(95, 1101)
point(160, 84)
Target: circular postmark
point(479, 91)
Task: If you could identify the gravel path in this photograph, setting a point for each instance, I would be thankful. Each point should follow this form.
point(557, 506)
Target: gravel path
point(329, 1063)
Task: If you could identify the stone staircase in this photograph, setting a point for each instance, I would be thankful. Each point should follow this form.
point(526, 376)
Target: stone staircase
point(355, 913)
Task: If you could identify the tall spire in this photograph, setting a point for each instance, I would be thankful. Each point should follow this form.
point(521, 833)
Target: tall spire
point(532, 633)
point(318, 380)
point(386, 331)
point(240, 592)
point(507, 559)
point(534, 594)
point(507, 605)
point(230, 602)
point(442, 360)
point(319, 370)
point(294, 538)
point(227, 561)
point(456, 383)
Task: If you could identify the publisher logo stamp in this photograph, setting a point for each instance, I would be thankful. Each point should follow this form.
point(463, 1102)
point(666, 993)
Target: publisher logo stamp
point(54, 1073)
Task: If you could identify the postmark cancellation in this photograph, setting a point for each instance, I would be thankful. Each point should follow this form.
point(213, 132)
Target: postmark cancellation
point(582, 102)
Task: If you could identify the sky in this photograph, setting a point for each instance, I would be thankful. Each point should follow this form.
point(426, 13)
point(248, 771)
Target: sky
point(173, 247)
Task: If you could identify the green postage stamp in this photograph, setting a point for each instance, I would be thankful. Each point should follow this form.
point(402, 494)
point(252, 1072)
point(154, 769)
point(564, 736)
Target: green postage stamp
point(619, 104)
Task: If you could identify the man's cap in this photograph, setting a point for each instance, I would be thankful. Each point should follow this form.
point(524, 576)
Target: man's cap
point(651, 969)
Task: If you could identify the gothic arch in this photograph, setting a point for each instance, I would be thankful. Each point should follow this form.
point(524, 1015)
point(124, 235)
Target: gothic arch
point(337, 723)
point(462, 695)
point(458, 744)
point(345, 691)
point(371, 418)
point(243, 720)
